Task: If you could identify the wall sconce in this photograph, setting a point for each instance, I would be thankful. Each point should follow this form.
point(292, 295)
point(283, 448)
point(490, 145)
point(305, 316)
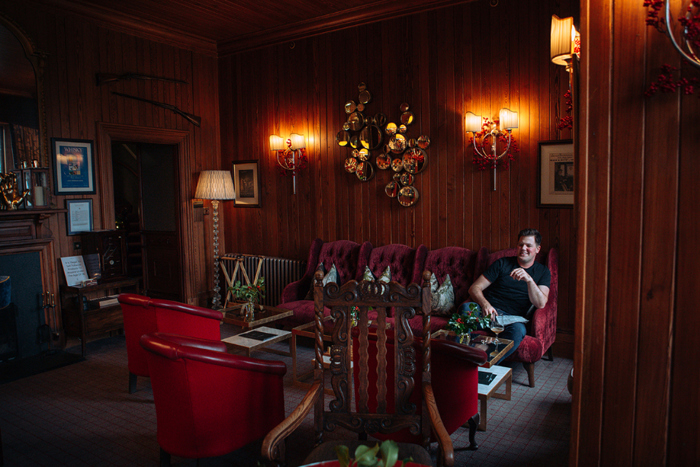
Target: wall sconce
point(216, 185)
point(565, 41)
point(475, 125)
point(291, 154)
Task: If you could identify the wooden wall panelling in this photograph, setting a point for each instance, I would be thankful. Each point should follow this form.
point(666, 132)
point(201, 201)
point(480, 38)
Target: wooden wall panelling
point(439, 63)
point(683, 424)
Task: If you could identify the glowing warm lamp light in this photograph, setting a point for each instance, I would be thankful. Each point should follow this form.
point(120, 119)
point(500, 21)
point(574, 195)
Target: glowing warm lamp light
point(297, 141)
point(277, 143)
point(508, 119)
point(472, 122)
point(562, 39)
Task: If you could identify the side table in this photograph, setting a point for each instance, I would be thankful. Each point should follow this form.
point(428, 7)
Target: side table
point(486, 391)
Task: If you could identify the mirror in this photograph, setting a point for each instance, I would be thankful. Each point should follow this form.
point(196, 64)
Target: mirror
point(21, 98)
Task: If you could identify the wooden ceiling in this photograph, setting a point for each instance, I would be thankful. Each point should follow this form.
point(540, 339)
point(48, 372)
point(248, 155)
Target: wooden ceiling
point(226, 27)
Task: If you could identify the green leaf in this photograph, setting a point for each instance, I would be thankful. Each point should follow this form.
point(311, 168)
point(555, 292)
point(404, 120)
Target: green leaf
point(390, 452)
point(343, 454)
point(366, 456)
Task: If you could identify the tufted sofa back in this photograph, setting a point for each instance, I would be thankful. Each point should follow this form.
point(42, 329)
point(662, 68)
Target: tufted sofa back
point(342, 253)
point(459, 263)
point(406, 263)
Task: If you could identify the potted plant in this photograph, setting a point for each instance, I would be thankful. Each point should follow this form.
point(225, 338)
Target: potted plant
point(386, 455)
point(467, 321)
point(250, 294)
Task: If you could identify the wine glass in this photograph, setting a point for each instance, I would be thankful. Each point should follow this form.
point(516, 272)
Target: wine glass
point(496, 328)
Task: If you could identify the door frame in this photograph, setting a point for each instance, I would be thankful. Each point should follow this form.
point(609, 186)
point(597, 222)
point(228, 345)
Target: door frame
point(108, 132)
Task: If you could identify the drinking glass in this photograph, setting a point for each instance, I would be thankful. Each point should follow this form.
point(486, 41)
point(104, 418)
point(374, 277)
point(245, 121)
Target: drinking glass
point(496, 328)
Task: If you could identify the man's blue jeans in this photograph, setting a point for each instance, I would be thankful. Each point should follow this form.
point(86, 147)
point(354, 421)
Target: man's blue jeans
point(515, 332)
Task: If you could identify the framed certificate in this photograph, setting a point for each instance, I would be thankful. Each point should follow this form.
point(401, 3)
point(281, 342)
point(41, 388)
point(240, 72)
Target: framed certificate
point(79, 216)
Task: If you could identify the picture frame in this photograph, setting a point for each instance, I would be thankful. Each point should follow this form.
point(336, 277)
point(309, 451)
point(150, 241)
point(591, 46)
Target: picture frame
point(556, 174)
point(73, 166)
point(78, 216)
point(246, 184)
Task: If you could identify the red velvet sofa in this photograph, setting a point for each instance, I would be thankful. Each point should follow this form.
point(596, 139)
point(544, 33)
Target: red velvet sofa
point(463, 265)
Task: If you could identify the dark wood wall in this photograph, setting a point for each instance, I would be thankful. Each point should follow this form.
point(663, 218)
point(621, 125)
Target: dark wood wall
point(77, 49)
point(443, 63)
point(636, 397)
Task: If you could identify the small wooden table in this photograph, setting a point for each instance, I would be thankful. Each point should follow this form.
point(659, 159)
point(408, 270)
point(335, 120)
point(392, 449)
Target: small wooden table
point(263, 315)
point(486, 391)
point(264, 336)
point(494, 352)
point(304, 330)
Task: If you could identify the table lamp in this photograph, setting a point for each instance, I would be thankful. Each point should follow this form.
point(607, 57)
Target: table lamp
point(215, 185)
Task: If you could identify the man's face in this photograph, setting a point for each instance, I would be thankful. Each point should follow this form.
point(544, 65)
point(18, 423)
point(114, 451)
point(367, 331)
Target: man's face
point(527, 250)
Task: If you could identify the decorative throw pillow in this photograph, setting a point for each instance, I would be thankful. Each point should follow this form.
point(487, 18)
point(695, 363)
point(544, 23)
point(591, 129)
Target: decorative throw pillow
point(385, 277)
point(330, 276)
point(443, 302)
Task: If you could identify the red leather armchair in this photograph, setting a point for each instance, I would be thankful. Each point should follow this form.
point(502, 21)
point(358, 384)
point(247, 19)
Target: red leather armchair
point(455, 380)
point(210, 403)
point(143, 315)
point(542, 327)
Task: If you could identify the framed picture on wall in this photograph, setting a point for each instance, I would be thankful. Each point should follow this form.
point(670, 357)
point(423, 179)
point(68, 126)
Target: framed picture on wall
point(246, 184)
point(79, 216)
point(556, 174)
point(73, 166)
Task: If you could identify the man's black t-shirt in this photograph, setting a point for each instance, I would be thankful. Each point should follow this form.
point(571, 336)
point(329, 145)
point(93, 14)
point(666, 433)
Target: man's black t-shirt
point(505, 293)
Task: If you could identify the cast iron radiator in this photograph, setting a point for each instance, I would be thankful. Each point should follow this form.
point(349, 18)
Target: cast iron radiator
point(278, 272)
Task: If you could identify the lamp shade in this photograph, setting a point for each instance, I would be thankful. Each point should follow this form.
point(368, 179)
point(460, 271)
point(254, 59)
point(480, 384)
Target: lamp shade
point(277, 143)
point(561, 40)
point(297, 141)
point(508, 119)
point(215, 184)
point(472, 122)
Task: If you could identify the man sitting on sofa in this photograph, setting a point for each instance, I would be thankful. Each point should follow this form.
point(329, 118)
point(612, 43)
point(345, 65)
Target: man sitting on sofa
point(512, 285)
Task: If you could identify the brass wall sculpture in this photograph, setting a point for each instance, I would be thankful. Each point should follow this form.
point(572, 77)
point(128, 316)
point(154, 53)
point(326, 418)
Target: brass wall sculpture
point(405, 156)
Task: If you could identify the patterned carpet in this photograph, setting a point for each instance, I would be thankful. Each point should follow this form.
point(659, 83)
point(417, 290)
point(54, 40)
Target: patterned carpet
point(83, 415)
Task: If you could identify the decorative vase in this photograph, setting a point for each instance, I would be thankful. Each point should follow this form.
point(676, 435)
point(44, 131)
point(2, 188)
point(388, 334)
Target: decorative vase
point(248, 311)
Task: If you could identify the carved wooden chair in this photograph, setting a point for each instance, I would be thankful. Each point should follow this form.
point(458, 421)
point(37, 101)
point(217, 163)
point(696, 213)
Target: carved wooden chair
point(370, 417)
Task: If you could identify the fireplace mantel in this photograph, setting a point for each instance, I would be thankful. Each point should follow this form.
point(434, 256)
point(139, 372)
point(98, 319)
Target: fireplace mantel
point(25, 224)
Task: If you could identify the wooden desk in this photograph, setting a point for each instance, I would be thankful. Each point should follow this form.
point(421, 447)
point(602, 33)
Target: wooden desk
point(263, 315)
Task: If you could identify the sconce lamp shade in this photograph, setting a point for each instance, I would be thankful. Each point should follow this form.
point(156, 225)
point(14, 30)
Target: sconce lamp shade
point(215, 184)
point(297, 141)
point(277, 143)
point(472, 122)
point(509, 119)
point(561, 39)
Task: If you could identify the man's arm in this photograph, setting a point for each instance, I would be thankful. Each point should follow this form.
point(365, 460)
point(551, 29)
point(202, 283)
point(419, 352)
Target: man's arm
point(476, 291)
point(538, 294)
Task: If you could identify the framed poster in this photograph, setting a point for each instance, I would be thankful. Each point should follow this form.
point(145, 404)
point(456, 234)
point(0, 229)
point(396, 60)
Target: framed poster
point(73, 167)
point(556, 174)
point(246, 184)
point(79, 216)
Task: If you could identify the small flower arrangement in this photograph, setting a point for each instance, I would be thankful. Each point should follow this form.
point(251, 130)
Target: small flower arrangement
point(249, 293)
point(386, 455)
point(468, 320)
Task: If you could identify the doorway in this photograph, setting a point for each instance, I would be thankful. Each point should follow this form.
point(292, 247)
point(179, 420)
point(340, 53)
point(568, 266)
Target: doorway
point(146, 194)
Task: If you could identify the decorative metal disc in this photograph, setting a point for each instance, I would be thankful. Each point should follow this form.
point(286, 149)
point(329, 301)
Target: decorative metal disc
point(404, 107)
point(406, 178)
point(407, 118)
point(391, 189)
point(342, 138)
point(397, 144)
point(397, 165)
point(364, 171)
point(423, 142)
point(390, 129)
point(363, 154)
point(350, 107)
point(408, 196)
point(414, 160)
point(350, 165)
point(383, 161)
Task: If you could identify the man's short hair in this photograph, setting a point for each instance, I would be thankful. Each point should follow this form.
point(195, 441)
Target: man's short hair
point(531, 233)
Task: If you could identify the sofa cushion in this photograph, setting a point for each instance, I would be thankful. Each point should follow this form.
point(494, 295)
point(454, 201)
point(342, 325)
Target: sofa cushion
point(459, 263)
point(400, 258)
point(385, 277)
point(443, 297)
point(330, 276)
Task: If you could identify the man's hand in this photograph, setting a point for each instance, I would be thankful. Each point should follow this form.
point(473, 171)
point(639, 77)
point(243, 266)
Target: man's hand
point(476, 291)
point(519, 274)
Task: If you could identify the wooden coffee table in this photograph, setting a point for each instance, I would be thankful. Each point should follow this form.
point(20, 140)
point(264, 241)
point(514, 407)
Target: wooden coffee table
point(263, 315)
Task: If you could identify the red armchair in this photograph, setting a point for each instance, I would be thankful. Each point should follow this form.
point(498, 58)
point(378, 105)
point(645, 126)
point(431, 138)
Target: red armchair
point(455, 380)
point(143, 315)
point(542, 327)
point(210, 403)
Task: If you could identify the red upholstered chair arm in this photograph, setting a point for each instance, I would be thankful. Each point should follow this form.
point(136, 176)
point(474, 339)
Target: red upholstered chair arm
point(213, 352)
point(134, 300)
point(189, 309)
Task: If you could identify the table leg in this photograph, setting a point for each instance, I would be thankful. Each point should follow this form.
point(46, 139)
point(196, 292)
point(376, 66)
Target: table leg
point(483, 410)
